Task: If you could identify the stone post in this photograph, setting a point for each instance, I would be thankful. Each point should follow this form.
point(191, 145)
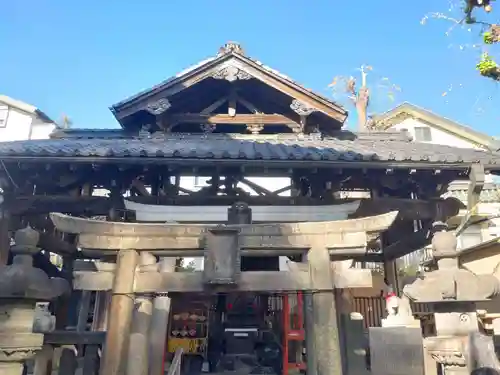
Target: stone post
point(138, 358)
point(159, 324)
point(453, 292)
point(21, 287)
point(328, 358)
point(120, 314)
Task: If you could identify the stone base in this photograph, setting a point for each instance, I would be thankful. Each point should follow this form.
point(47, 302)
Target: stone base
point(400, 321)
point(11, 368)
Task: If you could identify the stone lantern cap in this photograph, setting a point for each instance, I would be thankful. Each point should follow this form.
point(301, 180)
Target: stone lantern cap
point(21, 279)
point(449, 283)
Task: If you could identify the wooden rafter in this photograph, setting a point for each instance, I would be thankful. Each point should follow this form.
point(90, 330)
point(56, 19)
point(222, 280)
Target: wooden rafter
point(248, 105)
point(212, 107)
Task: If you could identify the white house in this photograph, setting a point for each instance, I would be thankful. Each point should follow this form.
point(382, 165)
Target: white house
point(21, 121)
point(425, 126)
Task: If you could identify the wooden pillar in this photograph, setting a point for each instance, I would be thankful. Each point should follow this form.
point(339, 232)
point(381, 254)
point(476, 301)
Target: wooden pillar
point(159, 324)
point(138, 359)
point(122, 304)
point(328, 359)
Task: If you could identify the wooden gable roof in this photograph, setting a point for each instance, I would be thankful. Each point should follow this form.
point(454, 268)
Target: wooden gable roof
point(230, 64)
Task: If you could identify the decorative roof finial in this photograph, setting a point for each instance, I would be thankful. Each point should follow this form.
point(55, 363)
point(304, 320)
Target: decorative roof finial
point(231, 47)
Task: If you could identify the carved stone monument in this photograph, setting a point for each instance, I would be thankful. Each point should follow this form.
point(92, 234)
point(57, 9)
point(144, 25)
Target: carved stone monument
point(222, 256)
point(453, 293)
point(21, 287)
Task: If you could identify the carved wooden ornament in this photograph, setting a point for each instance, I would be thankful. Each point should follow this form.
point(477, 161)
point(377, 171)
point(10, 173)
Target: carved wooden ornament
point(301, 108)
point(231, 73)
point(158, 107)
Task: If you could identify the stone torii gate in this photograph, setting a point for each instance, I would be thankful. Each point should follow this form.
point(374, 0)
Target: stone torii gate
point(136, 279)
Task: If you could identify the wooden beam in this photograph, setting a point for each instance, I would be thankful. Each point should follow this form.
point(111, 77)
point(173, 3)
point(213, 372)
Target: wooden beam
point(73, 338)
point(40, 204)
point(53, 244)
point(409, 244)
point(212, 107)
point(256, 187)
point(248, 105)
point(410, 209)
point(194, 118)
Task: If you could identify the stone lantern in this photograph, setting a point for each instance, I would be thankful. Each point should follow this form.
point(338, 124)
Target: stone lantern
point(21, 287)
point(453, 293)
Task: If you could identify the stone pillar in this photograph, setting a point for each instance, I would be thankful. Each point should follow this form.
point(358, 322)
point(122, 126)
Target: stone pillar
point(122, 304)
point(21, 287)
point(324, 314)
point(311, 359)
point(453, 292)
point(159, 324)
point(138, 358)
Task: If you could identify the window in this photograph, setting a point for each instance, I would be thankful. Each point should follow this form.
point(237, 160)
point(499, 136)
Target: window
point(4, 114)
point(470, 237)
point(423, 134)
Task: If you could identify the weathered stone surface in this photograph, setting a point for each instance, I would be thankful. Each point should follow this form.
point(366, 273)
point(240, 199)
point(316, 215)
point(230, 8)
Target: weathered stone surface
point(222, 256)
point(21, 279)
point(396, 351)
point(21, 286)
point(69, 224)
point(449, 282)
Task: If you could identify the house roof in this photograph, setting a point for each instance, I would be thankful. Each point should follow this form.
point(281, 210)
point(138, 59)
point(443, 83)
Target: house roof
point(460, 190)
point(25, 107)
point(232, 55)
point(407, 110)
point(389, 149)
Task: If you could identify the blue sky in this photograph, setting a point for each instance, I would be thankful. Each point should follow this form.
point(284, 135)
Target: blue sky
point(78, 58)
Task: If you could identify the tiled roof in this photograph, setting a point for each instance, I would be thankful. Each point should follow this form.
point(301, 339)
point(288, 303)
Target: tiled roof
point(252, 148)
point(489, 194)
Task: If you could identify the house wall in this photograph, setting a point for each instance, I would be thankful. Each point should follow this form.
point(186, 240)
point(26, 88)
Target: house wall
point(41, 129)
point(22, 126)
point(484, 262)
point(438, 136)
